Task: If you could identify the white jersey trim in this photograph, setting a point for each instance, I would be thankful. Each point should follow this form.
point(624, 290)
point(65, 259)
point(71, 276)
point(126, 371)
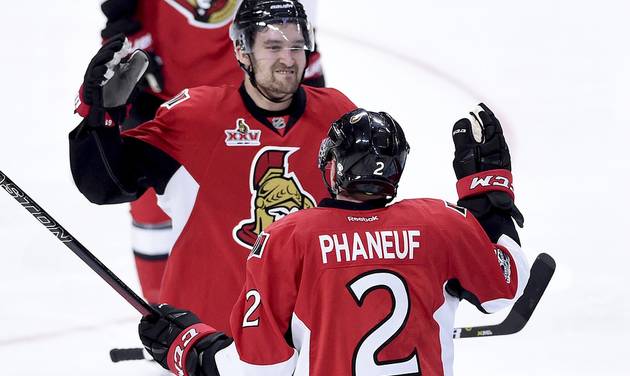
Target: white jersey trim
point(301, 336)
point(445, 318)
point(229, 363)
point(522, 275)
point(179, 199)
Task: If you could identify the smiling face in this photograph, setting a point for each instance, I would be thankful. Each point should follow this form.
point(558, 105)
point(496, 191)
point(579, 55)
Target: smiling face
point(278, 58)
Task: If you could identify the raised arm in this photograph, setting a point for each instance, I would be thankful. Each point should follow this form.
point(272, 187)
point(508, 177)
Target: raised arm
point(490, 274)
point(106, 168)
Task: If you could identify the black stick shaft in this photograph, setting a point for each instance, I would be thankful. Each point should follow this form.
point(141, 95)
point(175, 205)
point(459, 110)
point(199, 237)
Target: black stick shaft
point(69, 241)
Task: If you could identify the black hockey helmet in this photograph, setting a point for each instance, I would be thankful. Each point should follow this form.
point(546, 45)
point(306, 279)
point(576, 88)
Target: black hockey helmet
point(256, 15)
point(369, 150)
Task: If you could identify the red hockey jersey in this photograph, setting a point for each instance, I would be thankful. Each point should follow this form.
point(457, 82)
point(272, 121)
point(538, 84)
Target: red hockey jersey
point(238, 174)
point(331, 291)
point(191, 37)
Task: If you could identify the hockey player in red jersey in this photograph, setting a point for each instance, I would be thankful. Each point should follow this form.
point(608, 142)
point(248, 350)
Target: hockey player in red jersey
point(355, 287)
point(226, 161)
point(188, 45)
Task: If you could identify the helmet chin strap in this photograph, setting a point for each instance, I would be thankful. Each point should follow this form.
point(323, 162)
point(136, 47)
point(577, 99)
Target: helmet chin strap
point(252, 79)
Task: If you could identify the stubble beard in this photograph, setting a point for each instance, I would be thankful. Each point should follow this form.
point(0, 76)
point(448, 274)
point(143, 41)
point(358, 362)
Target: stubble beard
point(280, 86)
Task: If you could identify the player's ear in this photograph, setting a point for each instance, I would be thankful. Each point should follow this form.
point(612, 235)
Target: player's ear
point(242, 57)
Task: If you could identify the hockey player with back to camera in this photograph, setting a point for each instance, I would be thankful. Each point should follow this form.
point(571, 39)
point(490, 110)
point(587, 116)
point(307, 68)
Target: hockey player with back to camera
point(357, 286)
point(225, 161)
point(188, 45)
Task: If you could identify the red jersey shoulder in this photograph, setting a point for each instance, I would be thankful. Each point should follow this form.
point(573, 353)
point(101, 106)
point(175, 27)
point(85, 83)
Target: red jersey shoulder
point(298, 222)
point(204, 98)
point(291, 221)
point(329, 97)
point(437, 211)
point(198, 103)
point(279, 234)
point(446, 215)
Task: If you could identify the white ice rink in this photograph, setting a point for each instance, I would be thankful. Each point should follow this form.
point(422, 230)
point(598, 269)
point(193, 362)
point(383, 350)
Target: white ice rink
point(557, 73)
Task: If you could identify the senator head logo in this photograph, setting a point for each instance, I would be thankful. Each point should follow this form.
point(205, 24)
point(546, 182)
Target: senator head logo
point(276, 192)
point(207, 14)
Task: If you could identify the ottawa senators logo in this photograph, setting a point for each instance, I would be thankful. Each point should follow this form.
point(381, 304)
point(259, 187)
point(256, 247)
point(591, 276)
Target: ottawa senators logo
point(276, 192)
point(242, 135)
point(207, 14)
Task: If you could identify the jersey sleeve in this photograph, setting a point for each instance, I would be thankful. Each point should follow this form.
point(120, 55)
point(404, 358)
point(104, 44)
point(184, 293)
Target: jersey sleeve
point(109, 170)
point(178, 127)
point(262, 316)
point(490, 276)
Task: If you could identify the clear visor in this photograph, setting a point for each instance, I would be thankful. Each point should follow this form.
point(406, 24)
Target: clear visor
point(274, 37)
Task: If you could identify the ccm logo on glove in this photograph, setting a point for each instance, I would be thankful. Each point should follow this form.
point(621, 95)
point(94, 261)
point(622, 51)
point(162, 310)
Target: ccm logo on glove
point(183, 343)
point(486, 181)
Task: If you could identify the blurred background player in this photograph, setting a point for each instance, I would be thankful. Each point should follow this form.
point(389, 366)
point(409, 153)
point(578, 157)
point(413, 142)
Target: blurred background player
point(188, 45)
point(356, 287)
point(225, 161)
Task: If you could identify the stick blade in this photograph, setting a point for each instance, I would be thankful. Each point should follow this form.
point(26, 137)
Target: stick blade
point(121, 355)
point(540, 275)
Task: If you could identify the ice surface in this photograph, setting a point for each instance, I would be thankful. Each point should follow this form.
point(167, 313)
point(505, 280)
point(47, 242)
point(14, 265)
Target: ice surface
point(556, 73)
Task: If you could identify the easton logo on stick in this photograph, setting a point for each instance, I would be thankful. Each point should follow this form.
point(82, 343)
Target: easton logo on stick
point(38, 213)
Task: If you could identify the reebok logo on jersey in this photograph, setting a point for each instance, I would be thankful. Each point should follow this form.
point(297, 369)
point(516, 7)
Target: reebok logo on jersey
point(363, 219)
point(242, 135)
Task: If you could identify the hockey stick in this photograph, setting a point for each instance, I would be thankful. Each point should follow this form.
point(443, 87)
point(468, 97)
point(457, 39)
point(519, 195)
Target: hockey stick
point(69, 241)
point(540, 274)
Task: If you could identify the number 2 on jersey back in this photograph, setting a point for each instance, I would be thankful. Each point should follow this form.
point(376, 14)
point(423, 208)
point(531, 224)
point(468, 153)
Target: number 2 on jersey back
point(364, 359)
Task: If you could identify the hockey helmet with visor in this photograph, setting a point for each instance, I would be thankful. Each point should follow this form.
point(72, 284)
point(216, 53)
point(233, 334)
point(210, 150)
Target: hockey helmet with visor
point(255, 16)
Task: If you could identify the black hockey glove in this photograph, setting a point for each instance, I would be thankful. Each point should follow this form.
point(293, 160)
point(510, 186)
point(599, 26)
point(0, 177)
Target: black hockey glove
point(177, 339)
point(109, 81)
point(483, 166)
point(116, 10)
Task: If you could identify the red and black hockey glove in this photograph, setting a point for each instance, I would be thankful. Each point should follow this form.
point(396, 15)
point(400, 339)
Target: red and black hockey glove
point(483, 166)
point(109, 80)
point(177, 339)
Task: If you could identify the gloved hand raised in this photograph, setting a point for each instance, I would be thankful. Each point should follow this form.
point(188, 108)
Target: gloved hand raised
point(482, 162)
point(109, 80)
